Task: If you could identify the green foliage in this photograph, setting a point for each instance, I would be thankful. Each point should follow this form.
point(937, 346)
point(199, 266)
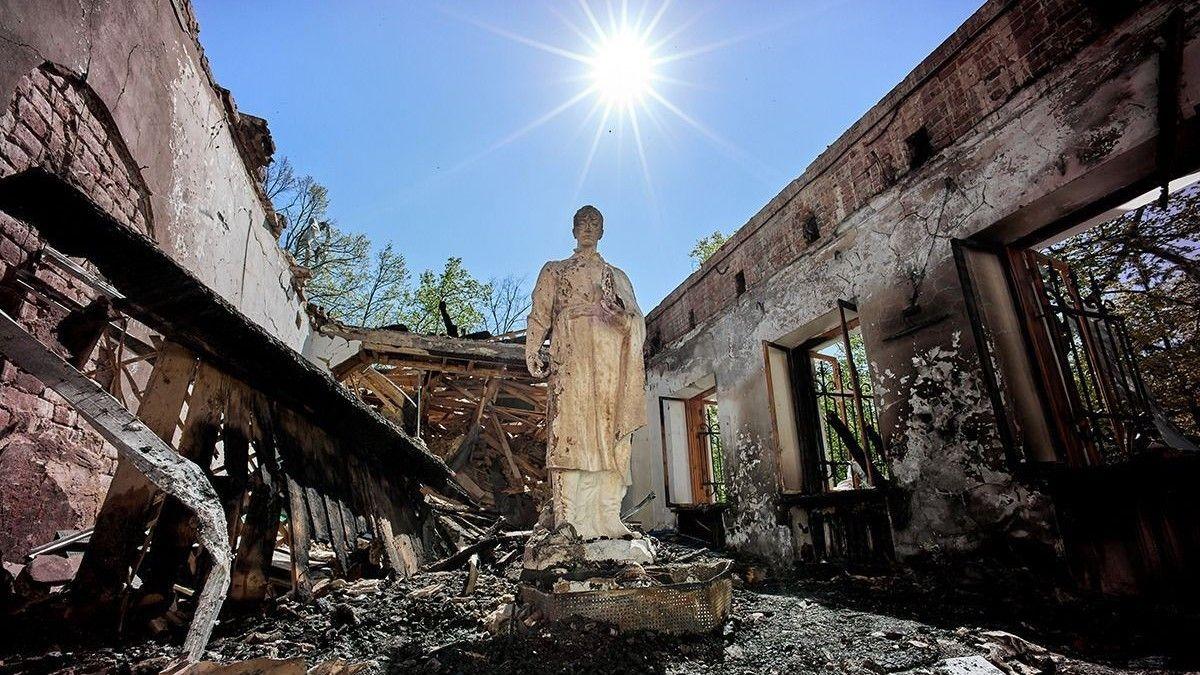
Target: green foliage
point(454, 285)
point(360, 283)
point(1147, 265)
point(716, 451)
point(706, 246)
point(347, 281)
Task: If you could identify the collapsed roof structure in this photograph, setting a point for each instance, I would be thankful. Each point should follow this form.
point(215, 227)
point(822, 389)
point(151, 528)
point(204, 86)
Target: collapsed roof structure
point(883, 367)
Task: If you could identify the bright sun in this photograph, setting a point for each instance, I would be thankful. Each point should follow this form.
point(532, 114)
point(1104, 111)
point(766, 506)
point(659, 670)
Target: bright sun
point(622, 68)
point(623, 71)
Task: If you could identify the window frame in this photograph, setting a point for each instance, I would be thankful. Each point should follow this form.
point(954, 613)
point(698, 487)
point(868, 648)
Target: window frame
point(699, 461)
point(810, 438)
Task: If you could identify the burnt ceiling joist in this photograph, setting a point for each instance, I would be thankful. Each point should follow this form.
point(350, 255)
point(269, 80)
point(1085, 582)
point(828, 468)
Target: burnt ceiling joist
point(171, 300)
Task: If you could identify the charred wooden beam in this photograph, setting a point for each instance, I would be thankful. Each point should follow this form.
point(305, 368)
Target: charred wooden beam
point(147, 452)
point(463, 454)
point(160, 293)
point(298, 526)
point(1170, 71)
point(256, 541)
point(133, 500)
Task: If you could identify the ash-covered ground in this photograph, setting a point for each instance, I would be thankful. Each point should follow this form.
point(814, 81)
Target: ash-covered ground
point(841, 624)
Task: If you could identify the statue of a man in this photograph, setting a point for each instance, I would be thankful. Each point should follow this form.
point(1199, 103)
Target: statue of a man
point(597, 378)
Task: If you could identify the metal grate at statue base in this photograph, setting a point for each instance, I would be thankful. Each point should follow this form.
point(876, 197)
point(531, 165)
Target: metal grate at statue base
point(676, 599)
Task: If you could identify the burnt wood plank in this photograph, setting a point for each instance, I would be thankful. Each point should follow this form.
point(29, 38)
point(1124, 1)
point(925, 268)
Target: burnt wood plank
point(337, 533)
point(256, 542)
point(316, 509)
point(131, 501)
point(154, 458)
point(298, 526)
point(168, 298)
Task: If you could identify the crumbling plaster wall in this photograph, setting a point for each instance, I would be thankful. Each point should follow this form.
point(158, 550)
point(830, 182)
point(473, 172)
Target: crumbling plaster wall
point(143, 61)
point(116, 97)
point(1080, 131)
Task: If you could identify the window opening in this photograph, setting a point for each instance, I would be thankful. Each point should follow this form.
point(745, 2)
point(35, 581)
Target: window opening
point(812, 229)
point(1088, 339)
point(920, 147)
point(693, 454)
point(846, 416)
point(1089, 349)
point(824, 411)
point(708, 433)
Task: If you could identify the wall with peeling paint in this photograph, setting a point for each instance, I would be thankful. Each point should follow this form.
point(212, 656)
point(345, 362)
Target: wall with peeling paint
point(117, 99)
point(142, 59)
point(1076, 126)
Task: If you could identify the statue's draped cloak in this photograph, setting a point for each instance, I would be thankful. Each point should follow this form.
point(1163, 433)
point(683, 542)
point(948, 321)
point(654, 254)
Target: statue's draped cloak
point(597, 380)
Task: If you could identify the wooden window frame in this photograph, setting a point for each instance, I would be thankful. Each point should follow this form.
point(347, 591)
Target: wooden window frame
point(1045, 355)
point(699, 461)
point(810, 441)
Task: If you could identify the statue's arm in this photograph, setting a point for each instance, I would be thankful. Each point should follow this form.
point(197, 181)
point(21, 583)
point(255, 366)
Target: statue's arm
point(537, 326)
point(637, 322)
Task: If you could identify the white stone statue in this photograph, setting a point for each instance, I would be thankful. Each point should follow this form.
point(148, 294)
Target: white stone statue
point(596, 377)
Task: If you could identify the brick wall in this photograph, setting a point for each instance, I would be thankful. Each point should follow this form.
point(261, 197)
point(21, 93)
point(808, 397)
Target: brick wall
point(57, 124)
point(1001, 49)
point(54, 468)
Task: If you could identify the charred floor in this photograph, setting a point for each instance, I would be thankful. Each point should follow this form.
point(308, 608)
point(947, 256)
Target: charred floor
point(825, 621)
point(936, 400)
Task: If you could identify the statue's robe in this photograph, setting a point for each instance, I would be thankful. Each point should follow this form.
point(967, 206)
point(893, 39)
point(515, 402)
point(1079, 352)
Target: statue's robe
point(597, 376)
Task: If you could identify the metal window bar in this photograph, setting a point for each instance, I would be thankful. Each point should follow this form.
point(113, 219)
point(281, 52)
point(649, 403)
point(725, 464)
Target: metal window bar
point(834, 397)
point(710, 434)
point(1108, 396)
point(834, 462)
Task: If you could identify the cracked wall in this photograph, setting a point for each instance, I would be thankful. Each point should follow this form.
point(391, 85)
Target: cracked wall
point(1026, 130)
point(118, 99)
point(145, 64)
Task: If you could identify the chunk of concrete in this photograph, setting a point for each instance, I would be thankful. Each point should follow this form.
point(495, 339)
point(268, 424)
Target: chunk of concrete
point(967, 665)
point(52, 570)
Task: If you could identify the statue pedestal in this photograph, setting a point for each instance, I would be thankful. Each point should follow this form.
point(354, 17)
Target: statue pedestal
point(562, 550)
point(676, 599)
point(615, 581)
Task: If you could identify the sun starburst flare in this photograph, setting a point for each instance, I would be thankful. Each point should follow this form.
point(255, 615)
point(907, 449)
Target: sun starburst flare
point(622, 69)
point(622, 59)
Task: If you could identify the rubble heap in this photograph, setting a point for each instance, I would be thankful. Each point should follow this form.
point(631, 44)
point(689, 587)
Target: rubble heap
point(464, 621)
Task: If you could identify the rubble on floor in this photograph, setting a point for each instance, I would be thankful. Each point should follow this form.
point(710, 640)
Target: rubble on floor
point(459, 621)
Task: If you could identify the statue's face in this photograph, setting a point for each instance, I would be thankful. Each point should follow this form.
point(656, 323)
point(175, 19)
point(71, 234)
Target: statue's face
point(588, 230)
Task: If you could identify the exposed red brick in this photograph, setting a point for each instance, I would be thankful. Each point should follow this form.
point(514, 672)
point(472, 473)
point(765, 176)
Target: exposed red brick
point(949, 93)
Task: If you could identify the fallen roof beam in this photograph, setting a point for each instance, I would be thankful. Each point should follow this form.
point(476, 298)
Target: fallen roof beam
point(156, 460)
point(398, 342)
point(160, 293)
point(448, 365)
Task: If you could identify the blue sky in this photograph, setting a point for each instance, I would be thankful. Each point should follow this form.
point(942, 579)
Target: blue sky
point(401, 109)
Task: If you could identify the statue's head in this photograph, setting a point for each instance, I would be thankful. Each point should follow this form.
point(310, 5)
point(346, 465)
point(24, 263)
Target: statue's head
point(589, 226)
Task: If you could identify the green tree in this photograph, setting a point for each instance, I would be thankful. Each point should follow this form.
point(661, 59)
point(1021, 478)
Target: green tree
point(463, 294)
point(706, 246)
point(345, 280)
point(1146, 265)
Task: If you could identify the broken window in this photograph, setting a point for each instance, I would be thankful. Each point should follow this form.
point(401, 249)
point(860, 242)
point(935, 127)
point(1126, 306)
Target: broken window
point(823, 405)
point(1090, 370)
point(1065, 328)
point(693, 455)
